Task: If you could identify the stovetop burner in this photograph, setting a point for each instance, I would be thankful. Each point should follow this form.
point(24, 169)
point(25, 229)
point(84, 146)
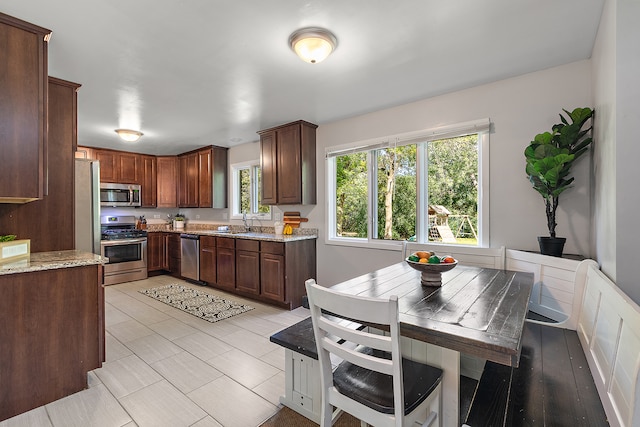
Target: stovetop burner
point(121, 234)
point(120, 228)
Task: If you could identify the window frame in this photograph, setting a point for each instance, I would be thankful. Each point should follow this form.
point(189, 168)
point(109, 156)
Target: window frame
point(479, 127)
point(235, 191)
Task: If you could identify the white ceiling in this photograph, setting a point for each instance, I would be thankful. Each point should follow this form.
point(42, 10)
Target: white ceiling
point(189, 73)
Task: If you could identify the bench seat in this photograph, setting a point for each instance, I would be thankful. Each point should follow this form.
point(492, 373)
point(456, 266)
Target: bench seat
point(552, 386)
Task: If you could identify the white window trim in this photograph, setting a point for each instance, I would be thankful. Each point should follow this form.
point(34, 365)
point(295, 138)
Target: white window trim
point(235, 185)
point(481, 127)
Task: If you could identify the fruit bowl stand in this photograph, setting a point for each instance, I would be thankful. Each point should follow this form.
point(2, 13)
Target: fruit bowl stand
point(431, 274)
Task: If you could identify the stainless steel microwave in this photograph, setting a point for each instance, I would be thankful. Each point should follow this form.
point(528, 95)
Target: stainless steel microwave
point(119, 194)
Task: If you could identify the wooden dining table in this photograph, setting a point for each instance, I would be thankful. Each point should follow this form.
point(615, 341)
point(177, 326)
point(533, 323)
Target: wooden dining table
point(479, 312)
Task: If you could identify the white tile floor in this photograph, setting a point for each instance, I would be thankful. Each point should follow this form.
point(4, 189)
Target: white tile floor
point(168, 368)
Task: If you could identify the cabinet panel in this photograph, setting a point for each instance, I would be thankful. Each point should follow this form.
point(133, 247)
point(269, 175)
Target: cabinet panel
point(289, 168)
point(268, 168)
point(128, 168)
point(149, 181)
point(188, 190)
point(23, 110)
point(225, 266)
point(85, 153)
point(108, 165)
point(247, 245)
point(248, 271)
point(205, 178)
point(155, 251)
point(167, 181)
point(174, 254)
point(208, 259)
point(272, 268)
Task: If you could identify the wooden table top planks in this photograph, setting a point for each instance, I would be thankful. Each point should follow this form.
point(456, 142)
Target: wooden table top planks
point(477, 311)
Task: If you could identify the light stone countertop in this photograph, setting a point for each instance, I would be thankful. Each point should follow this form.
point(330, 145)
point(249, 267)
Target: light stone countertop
point(272, 237)
point(39, 261)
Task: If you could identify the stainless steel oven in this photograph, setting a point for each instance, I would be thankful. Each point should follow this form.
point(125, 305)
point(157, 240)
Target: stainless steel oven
point(126, 249)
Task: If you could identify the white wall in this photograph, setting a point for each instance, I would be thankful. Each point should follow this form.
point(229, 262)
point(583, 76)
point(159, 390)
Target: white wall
point(627, 147)
point(616, 66)
point(604, 148)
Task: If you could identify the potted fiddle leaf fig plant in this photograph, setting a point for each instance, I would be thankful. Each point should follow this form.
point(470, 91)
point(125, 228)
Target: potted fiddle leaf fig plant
point(549, 159)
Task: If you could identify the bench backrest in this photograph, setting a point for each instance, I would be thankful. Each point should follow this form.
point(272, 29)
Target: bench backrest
point(609, 331)
point(558, 284)
point(474, 256)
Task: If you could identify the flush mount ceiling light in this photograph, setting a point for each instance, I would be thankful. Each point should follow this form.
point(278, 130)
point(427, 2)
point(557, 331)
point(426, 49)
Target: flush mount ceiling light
point(312, 44)
point(129, 135)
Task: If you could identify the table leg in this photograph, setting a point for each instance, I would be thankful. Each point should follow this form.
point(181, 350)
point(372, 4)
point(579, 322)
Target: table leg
point(447, 360)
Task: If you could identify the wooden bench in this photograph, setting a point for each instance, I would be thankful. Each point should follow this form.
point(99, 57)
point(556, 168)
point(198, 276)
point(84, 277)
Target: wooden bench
point(587, 377)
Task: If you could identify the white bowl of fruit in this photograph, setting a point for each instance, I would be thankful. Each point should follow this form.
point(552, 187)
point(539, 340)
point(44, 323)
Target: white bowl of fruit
point(431, 266)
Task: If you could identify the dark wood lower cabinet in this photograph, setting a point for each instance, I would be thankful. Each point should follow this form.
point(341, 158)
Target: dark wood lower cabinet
point(248, 266)
point(175, 257)
point(273, 272)
point(226, 263)
point(208, 270)
point(52, 334)
point(158, 251)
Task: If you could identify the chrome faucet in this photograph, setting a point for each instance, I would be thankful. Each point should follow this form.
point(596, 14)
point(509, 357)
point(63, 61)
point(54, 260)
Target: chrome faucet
point(244, 220)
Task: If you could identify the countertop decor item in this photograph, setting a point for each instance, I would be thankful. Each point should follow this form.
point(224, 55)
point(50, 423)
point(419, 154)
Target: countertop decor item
point(431, 273)
point(178, 222)
point(13, 250)
point(549, 159)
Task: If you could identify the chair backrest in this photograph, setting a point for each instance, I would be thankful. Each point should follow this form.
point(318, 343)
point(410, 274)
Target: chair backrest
point(334, 338)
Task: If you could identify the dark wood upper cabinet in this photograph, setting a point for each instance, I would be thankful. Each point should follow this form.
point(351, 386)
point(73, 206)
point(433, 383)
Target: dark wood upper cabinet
point(119, 166)
point(108, 165)
point(197, 179)
point(167, 181)
point(268, 168)
point(188, 189)
point(203, 178)
point(129, 170)
point(23, 110)
point(149, 181)
point(288, 164)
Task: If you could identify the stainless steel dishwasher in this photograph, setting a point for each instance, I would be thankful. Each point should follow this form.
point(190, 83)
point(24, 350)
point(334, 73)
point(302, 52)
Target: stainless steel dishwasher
point(190, 253)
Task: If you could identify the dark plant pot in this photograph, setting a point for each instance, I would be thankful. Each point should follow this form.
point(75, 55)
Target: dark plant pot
point(552, 246)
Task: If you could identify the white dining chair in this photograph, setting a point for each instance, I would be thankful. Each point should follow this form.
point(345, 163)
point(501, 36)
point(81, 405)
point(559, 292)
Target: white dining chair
point(372, 382)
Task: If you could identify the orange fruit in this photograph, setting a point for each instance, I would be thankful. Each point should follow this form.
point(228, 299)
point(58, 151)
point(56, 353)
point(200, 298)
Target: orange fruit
point(423, 260)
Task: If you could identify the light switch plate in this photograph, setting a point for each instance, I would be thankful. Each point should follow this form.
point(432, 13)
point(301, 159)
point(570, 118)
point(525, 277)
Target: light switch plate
point(277, 216)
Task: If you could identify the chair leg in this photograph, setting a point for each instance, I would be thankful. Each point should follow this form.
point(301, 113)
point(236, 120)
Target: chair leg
point(326, 415)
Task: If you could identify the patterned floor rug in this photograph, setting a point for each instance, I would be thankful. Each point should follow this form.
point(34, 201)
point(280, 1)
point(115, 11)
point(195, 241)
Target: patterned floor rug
point(200, 304)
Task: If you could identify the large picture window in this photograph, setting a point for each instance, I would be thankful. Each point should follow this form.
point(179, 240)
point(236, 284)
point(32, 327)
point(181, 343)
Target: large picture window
point(424, 187)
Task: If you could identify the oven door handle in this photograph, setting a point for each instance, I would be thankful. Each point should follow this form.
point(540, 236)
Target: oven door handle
point(121, 242)
point(130, 195)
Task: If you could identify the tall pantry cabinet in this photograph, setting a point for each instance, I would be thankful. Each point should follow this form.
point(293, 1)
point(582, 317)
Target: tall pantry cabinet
point(50, 221)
